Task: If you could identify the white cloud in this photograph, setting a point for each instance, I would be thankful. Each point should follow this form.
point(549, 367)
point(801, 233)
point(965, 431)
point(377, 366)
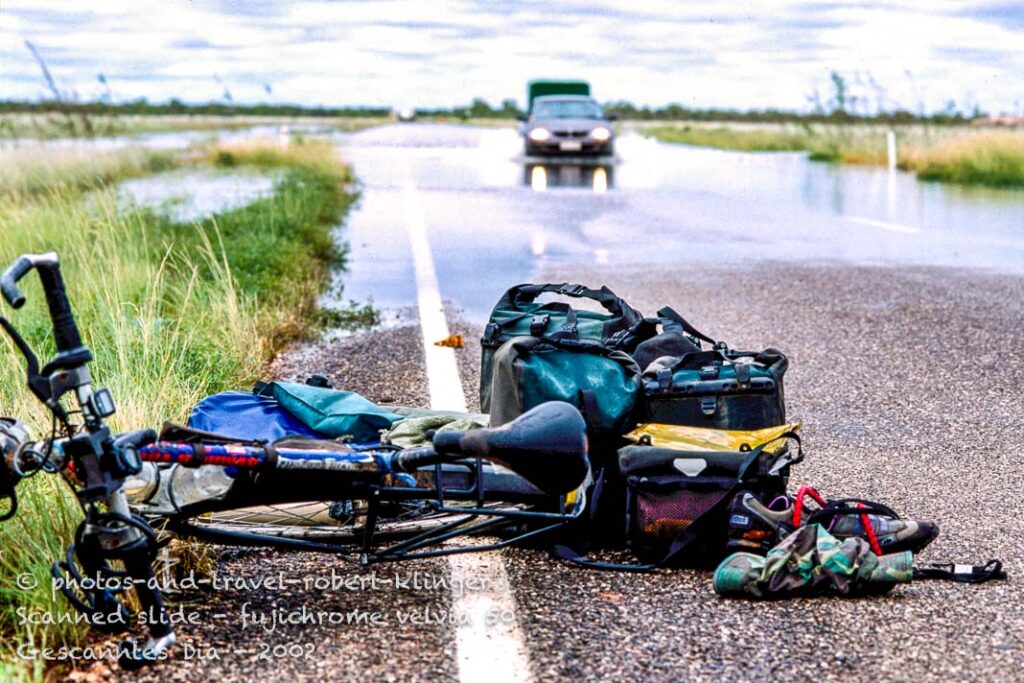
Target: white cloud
point(407, 52)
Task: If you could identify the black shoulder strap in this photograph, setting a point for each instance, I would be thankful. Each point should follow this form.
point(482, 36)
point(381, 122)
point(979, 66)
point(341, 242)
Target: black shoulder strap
point(669, 314)
point(520, 295)
point(564, 552)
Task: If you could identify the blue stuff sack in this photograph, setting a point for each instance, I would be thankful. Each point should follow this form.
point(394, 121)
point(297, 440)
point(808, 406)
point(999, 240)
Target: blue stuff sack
point(247, 417)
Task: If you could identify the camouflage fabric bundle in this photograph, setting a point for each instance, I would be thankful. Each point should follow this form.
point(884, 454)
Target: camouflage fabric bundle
point(812, 561)
point(416, 424)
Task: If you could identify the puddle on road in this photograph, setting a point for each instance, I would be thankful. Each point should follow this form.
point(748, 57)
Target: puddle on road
point(495, 217)
point(193, 195)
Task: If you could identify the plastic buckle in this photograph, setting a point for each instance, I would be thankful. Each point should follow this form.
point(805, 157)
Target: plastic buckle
point(709, 372)
point(572, 290)
point(709, 405)
point(742, 375)
point(539, 324)
point(490, 332)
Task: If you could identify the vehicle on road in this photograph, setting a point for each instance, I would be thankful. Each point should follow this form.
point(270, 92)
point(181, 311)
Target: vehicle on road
point(564, 119)
point(567, 125)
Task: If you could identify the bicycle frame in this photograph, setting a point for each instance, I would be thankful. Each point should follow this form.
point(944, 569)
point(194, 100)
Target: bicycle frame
point(365, 475)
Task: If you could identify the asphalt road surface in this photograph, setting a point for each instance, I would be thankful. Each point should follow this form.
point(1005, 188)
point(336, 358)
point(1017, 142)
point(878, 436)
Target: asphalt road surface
point(900, 305)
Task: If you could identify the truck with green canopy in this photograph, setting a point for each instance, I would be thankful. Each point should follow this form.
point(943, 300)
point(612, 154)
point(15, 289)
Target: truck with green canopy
point(542, 88)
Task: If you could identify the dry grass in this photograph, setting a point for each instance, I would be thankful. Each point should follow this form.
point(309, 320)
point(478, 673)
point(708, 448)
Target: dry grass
point(32, 170)
point(48, 126)
point(995, 159)
point(953, 154)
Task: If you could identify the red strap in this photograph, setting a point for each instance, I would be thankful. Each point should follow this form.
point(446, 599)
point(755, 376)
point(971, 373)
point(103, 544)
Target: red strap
point(869, 530)
point(798, 504)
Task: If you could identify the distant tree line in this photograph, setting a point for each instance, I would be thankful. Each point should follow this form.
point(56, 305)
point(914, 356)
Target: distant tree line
point(676, 112)
point(847, 99)
point(480, 109)
point(852, 98)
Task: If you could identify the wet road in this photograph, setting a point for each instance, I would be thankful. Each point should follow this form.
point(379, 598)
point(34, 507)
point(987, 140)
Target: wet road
point(495, 220)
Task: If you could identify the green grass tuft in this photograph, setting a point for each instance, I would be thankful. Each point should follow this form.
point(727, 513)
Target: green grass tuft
point(173, 312)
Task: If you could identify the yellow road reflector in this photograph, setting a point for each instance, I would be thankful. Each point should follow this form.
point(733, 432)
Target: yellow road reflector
point(683, 438)
point(454, 341)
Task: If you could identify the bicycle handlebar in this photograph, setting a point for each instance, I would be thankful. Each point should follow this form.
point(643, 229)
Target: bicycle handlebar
point(65, 330)
point(9, 280)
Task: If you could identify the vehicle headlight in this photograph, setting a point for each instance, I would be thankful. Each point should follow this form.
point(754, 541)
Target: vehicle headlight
point(540, 134)
point(601, 134)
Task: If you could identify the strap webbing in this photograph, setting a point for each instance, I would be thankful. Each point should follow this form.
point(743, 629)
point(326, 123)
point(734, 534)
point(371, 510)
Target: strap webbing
point(963, 573)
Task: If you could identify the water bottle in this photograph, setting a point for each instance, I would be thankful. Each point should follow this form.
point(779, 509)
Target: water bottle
point(188, 485)
point(171, 488)
point(140, 487)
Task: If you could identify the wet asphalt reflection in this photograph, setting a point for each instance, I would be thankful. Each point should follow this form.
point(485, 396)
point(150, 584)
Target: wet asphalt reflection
point(495, 218)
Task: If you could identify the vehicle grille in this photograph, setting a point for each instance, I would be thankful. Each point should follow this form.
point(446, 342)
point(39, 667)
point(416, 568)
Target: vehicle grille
point(571, 133)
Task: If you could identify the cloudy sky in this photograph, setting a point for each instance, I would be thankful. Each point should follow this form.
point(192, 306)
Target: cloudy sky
point(751, 54)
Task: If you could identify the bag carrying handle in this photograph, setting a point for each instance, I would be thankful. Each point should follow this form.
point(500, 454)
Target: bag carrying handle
point(670, 320)
point(570, 328)
point(521, 295)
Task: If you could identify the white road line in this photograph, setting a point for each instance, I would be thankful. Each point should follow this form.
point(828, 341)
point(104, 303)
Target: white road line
point(884, 225)
point(442, 369)
point(489, 644)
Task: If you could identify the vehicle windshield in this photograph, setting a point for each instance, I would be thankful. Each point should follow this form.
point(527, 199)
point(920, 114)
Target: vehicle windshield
point(567, 109)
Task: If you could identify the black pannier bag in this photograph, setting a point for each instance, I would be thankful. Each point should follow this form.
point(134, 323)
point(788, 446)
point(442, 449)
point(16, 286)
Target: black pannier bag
point(718, 389)
point(517, 314)
point(677, 502)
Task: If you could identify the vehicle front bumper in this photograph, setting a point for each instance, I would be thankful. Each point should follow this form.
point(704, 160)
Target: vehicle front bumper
point(568, 147)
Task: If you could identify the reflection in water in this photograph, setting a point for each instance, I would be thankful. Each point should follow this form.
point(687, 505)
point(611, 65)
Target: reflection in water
point(540, 177)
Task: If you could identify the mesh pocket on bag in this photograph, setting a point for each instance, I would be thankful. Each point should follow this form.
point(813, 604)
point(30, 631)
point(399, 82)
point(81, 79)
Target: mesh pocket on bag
point(662, 508)
point(662, 515)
